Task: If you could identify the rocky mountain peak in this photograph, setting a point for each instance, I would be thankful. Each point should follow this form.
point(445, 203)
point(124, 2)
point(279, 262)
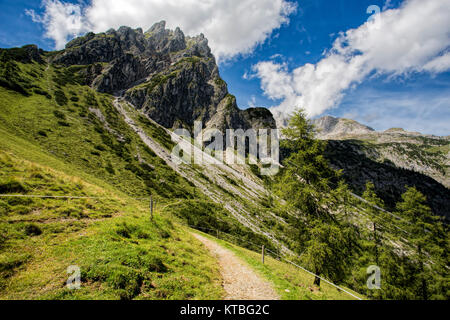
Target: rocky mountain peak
point(329, 127)
point(171, 77)
point(158, 27)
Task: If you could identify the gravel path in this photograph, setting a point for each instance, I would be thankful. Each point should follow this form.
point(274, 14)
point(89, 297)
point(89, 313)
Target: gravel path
point(239, 281)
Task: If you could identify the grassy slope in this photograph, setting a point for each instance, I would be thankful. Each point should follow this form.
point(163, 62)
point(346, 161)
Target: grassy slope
point(57, 146)
point(290, 282)
point(72, 132)
point(120, 252)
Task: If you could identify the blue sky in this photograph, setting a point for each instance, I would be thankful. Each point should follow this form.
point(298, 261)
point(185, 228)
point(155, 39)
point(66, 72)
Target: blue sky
point(311, 31)
point(409, 97)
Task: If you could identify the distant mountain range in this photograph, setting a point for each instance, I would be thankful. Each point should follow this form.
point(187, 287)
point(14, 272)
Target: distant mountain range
point(329, 127)
point(426, 154)
point(365, 154)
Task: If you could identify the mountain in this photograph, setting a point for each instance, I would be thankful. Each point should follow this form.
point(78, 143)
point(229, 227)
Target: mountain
point(361, 163)
point(392, 159)
point(95, 122)
point(172, 78)
point(329, 127)
point(89, 104)
point(426, 154)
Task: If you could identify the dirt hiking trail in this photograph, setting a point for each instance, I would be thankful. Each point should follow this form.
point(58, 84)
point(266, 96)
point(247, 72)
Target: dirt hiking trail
point(239, 281)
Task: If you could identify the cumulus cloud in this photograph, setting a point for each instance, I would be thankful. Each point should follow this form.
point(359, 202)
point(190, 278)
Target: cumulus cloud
point(439, 64)
point(61, 21)
point(412, 38)
point(233, 27)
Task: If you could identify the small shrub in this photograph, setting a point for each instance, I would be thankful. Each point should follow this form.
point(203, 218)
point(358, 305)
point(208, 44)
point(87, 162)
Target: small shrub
point(109, 168)
point(142, 235)
point(60, 98)
point(3, 238)
point(124, 231)
point(19, 201)
point(100, 148)
point(4, 207)
point(127, 281)
point(64, 124)
point(21, 210)
point(59, 115)
point(42, 133)
point(15, 86)
point(12, 186)
point(10, 262)
point(164, 234)
point(39, 91)
point(91, 100)
point(32, 230)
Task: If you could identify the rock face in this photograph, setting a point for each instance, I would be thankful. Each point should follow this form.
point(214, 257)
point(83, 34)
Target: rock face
point(329, 127)
point(397, 147)
point(359, 164)
point(172, 78)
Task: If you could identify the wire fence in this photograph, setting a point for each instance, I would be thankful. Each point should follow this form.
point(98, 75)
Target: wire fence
point(64, 197)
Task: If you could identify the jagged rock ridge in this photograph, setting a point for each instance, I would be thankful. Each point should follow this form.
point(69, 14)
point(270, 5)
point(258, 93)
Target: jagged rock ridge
point(171, 77)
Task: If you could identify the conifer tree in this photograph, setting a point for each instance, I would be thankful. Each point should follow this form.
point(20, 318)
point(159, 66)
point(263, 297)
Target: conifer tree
point(305, 183)
point(327, 252)
point(373, 206)
point(305, 180)
point(427, 238)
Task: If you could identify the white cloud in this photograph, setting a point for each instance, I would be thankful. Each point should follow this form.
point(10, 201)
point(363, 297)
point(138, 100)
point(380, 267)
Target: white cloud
point(233, 27)
point(252, 102)
point(439, 64)
point(276, 56)
point(412, 38)
point(61, 21)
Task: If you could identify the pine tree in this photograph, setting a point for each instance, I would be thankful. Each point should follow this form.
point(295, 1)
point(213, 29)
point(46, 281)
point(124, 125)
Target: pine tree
point(305, 180)
point(305, 183)
point(374, 207)
point(327, 252)
point(427, 238)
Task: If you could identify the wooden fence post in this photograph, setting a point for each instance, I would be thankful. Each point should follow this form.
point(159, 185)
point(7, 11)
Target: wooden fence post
point(263, 251)
point(151, 207)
